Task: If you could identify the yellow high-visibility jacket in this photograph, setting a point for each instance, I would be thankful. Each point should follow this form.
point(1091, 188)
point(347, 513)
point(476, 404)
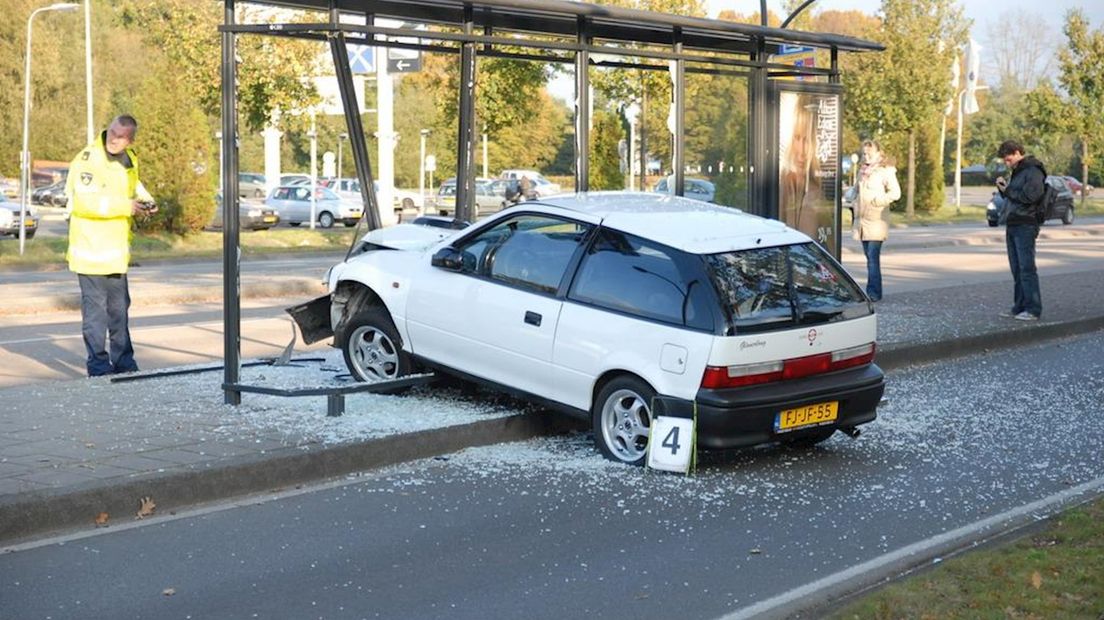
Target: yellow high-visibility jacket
point(101, 192)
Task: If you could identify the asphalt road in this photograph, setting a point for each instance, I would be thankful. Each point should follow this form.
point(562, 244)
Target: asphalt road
point(548, 529)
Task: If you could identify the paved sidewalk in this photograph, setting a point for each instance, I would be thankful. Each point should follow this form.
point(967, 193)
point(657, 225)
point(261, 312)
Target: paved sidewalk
point(70, 451)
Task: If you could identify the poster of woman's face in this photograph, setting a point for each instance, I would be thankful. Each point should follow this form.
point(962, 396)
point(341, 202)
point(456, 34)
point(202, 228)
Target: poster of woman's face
point(808, 162)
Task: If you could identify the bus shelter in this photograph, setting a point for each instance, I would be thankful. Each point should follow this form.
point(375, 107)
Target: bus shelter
point(791, 153)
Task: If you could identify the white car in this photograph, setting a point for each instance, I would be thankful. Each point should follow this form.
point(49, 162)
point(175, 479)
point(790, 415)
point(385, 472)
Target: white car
point(350, 189)
point(542, 186)
point(594, 304)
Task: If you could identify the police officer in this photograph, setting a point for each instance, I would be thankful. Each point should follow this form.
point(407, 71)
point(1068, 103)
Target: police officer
point(104, 195)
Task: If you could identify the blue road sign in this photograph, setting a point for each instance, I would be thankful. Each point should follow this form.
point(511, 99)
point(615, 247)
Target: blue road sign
point(362, 58)
point(784, 49)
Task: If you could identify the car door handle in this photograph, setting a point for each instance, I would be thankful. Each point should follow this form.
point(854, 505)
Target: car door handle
point(532, 318)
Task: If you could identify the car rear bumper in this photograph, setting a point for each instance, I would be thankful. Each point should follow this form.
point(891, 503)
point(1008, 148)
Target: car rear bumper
point(734, 417)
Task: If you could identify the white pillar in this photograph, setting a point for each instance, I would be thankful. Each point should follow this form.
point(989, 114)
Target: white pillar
point(271, 156)
point(313, 170)
point(385, 138)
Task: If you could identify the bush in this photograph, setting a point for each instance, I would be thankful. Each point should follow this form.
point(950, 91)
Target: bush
point(174, 150)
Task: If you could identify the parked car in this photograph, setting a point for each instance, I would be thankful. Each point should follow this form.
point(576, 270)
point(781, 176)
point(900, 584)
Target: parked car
point(251, 185)
point(46, 194)
point(486, 197)
point(1076, 186)
point(1061, 209)
point(293, 204)
point(594, 304)
point(543, 187)
point(9, 218)
point(698, 189)
point(9, 187)
point(295, 179)
point(250, 216)
point(350, 189)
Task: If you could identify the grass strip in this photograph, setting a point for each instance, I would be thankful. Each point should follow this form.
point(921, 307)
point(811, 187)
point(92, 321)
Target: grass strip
point(1056, 572)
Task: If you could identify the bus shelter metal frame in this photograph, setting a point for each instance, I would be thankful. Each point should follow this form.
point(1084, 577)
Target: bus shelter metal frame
point(557, 30)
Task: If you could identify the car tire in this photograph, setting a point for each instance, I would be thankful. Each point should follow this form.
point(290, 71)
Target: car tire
point(622, 418)
point(326, 219)
point(294, 224)
point(27, 234)
point(407, 204)
point(810, 438)
point(350, 224)
point(992, 224)
point(258, 193)
point(1067, 217)
point(372, 348)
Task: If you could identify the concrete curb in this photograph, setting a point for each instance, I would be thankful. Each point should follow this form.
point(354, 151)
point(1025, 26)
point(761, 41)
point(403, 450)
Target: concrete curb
point(38, 514)
point(901, 356)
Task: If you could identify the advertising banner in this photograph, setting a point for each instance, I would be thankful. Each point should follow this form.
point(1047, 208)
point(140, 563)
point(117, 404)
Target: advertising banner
point(808, 164)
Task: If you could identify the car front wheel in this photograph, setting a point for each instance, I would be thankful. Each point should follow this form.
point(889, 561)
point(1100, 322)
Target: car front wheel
point(1067, 217)
point(326, 219)
point(622, 419)
point(372, 349)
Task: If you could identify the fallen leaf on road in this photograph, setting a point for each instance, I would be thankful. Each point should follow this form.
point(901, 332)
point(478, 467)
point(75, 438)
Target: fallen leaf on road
point(1036, 580)
point(146, 507)
point(101, 519)
point(168, 591)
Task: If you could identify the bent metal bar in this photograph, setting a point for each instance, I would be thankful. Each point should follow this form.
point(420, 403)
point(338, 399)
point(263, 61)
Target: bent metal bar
point(543, 30)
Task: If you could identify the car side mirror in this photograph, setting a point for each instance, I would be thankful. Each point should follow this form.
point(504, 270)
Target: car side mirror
point(448, 258)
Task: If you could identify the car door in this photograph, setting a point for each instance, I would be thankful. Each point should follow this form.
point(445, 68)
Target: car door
point(496, 316)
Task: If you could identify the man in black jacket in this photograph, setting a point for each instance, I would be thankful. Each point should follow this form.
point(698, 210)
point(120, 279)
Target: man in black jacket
point(1023, 195)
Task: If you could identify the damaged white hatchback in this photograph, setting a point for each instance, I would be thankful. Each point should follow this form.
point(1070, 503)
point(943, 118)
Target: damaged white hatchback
point(595, 303)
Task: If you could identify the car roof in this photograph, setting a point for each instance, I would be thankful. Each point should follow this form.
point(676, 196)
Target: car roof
point(683, 223)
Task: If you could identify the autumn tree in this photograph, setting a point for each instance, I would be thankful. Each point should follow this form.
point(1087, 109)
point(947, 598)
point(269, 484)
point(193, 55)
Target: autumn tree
point(904, 88)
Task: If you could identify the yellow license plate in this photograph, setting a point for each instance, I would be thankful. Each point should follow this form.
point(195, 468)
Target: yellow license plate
point(270, 219)
point(809, 415)
point(28, 223)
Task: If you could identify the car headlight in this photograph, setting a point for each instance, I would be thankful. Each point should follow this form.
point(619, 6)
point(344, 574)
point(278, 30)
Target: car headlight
point(253, 213)
point(991, 206)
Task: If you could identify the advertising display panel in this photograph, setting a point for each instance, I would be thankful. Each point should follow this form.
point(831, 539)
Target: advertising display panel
point(808, 164)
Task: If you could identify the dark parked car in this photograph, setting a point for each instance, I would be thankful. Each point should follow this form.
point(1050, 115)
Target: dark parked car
point(45, 195)
point(1060, 209)
point(250, 216)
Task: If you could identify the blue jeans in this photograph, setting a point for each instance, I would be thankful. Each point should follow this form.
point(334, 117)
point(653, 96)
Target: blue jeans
point(873, 251)
point(105, 302)
point(1020, 239)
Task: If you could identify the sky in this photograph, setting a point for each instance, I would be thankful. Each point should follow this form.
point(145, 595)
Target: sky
point(983, 12)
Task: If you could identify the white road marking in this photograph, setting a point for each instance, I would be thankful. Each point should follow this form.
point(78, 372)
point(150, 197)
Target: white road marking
point(922, 551)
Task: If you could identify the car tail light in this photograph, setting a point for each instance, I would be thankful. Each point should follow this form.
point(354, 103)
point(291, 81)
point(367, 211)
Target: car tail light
point(795, 368)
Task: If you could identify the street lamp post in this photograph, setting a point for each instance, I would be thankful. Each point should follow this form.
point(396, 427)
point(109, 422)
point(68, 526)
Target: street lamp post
point(422, 171)
point(313, 135)
point(91, 130)
point(25, 154)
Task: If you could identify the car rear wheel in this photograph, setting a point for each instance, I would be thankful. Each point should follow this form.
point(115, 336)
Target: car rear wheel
point(992, 224)
point(407, 203)
point(622, 419)
point(326, 219)
point(294, 223)
point(372, 349)
point(258, 193)
point(1067, 217)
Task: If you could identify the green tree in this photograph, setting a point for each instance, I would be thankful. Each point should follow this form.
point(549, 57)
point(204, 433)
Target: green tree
point(906, 87)
point(1079, 113)
point(174, 148)
point(605, 164)
point(270, 75)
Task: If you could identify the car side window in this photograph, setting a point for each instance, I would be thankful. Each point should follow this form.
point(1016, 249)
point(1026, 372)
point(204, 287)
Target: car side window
point(301, 193)
point(629, 274)
point(527, 251)
point(282, 194)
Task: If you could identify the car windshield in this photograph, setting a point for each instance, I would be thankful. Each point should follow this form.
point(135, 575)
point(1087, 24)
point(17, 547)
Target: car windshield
point(447, 190)
point(771, 288)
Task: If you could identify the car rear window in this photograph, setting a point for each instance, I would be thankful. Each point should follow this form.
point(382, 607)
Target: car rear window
point(763, 289)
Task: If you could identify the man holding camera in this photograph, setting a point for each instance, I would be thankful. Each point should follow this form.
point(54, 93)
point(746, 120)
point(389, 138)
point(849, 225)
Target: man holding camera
point(104, 195)
point(1023, 192)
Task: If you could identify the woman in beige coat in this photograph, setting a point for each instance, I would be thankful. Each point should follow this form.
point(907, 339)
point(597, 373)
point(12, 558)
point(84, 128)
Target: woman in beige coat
point(877, 189)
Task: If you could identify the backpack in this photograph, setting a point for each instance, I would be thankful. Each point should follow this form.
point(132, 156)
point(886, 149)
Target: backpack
point(1050, 196)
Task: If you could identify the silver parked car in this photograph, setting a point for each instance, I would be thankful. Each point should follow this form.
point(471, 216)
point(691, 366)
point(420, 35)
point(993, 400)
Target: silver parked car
point(293, 204)
point(251, 185)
